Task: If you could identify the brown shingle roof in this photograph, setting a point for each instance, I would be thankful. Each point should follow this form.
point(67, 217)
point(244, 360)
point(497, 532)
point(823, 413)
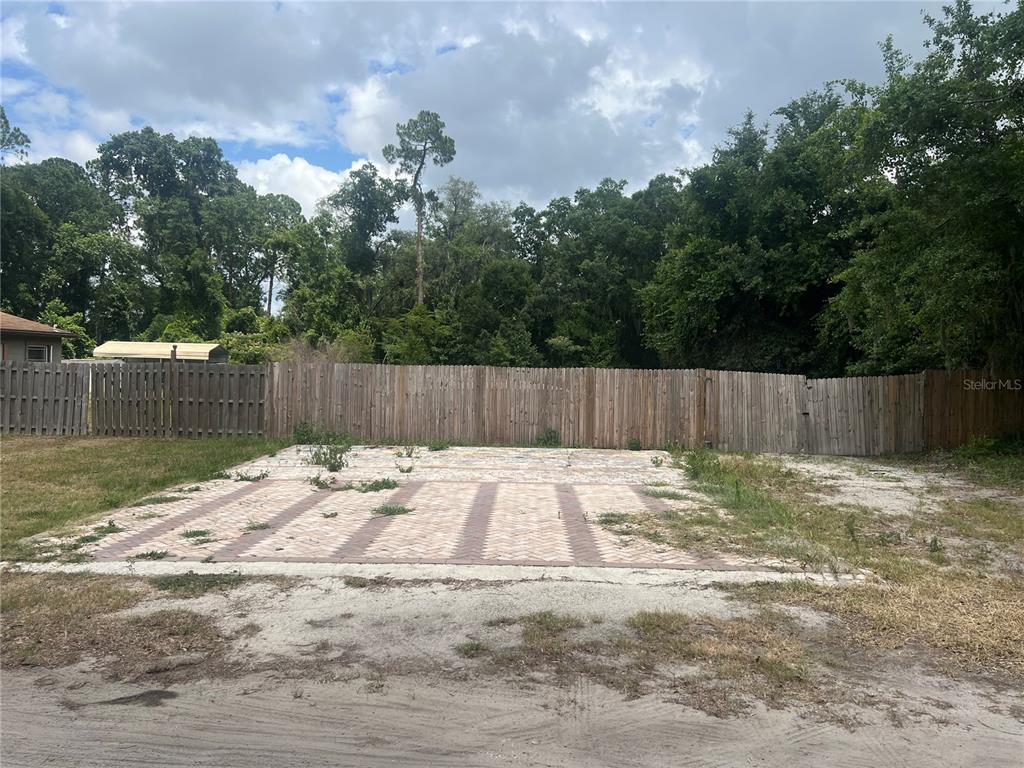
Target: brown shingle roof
point(12, 324)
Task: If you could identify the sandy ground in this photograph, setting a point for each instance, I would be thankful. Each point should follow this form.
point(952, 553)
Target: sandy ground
point(886, 488)
point(368, 676)
point(435, 721)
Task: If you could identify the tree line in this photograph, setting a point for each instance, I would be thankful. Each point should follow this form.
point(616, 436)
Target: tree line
point(872, 229)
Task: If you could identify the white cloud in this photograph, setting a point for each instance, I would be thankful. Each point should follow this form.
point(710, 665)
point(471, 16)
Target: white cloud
point(12, 44)
point(540, 99)
point(292, 176)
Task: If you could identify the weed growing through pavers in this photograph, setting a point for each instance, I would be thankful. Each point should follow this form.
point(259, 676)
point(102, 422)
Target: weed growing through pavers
point(471, 649)
point(255, 525)
point(107, 528)
point(657, 461)
point(370, 486)
point(328, 515)
point(193, 488)
point(251, 477)
point(153, 554)
point(439, 445)
point(195, 533)
point(323, 483)
point(408, 451)
point(330, 457)
point(404, 470)
point(390, 510)
point(158, 500)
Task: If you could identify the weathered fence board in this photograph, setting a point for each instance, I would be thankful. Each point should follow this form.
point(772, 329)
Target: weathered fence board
point(730, 410)
point(44, 399)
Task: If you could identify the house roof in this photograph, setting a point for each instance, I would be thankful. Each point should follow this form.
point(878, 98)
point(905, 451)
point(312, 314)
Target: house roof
point(157, 350)
point(18, 326)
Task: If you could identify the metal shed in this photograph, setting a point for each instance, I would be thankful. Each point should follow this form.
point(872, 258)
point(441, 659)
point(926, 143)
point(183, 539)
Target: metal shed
point(153, 351)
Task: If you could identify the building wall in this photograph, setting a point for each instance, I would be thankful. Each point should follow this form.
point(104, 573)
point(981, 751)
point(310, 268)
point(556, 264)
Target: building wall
point(15, 348)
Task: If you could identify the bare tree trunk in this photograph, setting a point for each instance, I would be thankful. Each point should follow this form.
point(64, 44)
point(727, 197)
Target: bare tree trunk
point(270, 292)
point(419, 254)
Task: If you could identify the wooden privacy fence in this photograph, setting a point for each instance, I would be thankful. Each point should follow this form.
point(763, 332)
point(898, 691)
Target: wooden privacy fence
point(44, 399)
point(613, 408)
point(590, 407)
point(134, 399)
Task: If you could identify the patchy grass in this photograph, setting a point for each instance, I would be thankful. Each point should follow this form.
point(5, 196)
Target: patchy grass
point(53, 482)
point(471, 649)
point(54, 620)
point(730, 661)
point(153, 554)
point(966, 621)
point(390, 510)
point(51, 619)
point(665, 493)
point(191, 584)
point(362, 582)
point(769, 509)
point(984, 461)
point(438, 445)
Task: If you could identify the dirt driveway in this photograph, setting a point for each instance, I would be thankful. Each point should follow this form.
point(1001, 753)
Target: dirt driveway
point(484, 506)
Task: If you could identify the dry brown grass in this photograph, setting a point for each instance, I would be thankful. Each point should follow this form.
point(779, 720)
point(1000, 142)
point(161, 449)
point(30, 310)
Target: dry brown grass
point(967, 622)
point(53, 620)
point(716, 665)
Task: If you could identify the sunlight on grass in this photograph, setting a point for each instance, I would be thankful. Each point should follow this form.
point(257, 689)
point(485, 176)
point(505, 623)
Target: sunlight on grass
point(49, 482)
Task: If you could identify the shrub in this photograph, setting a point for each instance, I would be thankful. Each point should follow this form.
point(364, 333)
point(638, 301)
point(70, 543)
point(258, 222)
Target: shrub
point(549, 439)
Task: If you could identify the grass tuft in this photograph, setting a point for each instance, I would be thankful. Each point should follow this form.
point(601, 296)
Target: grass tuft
point(390, 510)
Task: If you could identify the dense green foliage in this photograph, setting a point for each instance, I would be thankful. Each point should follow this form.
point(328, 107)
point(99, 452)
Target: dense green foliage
point(868, 229)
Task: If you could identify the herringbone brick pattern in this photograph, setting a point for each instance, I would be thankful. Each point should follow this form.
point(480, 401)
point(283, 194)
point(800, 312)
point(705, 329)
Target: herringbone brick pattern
point(526, 525)
point(468, 505)
point(431, 531)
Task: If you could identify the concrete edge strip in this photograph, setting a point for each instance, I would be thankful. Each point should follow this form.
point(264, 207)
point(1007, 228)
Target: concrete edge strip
point(577, 529)
point(247, 541)
point(477, 524)
point(367, 533)
point(504, 572)
point(120, 548)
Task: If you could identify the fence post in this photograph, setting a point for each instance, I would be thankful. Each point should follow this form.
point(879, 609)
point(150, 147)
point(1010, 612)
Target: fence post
point(803, 414)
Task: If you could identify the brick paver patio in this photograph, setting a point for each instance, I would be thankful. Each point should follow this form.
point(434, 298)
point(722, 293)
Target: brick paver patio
point(468, 506)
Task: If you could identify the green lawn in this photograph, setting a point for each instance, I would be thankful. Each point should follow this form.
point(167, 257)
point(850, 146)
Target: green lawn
point(49, 482)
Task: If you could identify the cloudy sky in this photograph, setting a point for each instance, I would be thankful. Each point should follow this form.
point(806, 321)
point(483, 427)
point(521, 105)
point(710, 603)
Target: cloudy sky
point(540, 98)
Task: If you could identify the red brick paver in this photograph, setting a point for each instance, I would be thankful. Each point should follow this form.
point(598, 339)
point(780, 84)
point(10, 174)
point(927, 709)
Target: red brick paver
point(467, 505)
